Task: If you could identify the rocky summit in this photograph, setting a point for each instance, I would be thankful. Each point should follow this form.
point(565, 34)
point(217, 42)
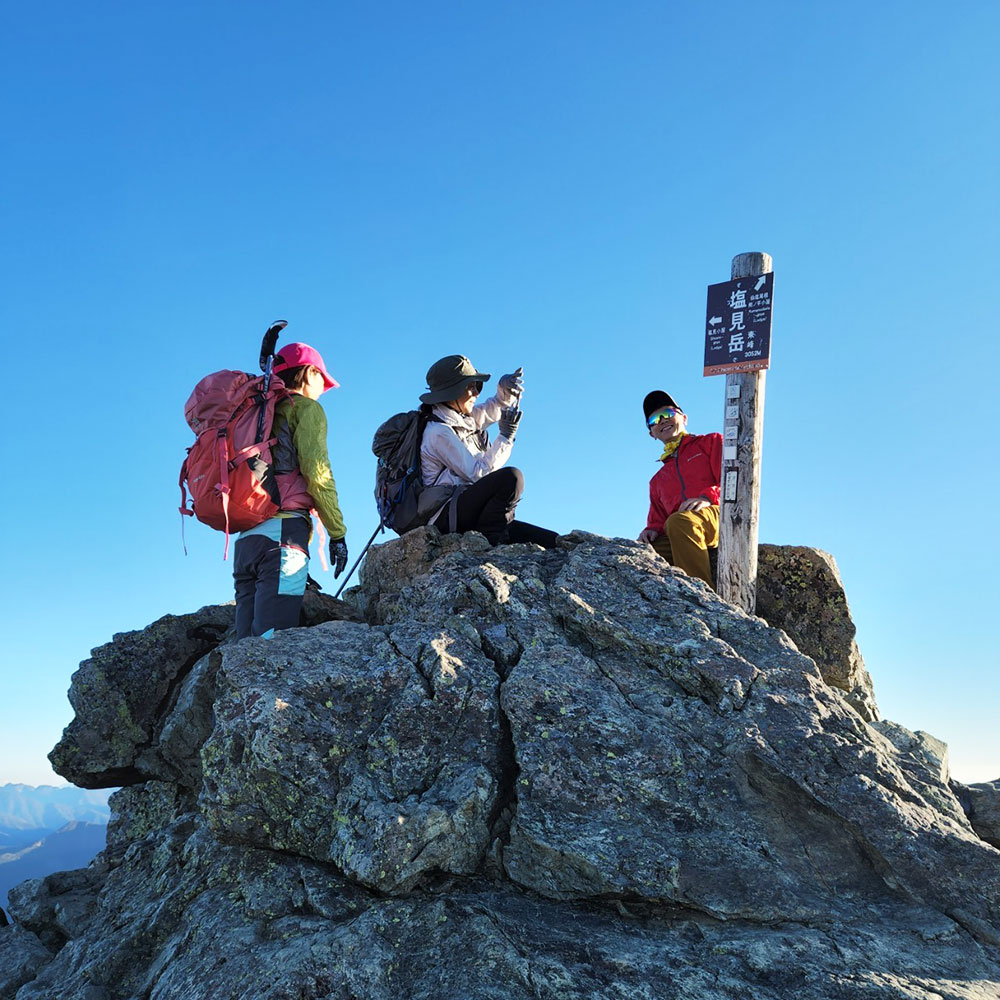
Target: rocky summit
point(513, 773)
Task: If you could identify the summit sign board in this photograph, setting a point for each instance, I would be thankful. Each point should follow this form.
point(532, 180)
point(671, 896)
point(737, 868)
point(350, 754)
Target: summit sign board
point(738, 325)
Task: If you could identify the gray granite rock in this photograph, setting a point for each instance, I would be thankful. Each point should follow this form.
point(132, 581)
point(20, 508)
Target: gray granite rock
point(183, 916)
point(144, 701)
point(671, 748)
point(375, 749)
point(982, 805)
point(572, 773)
point(799, 590)
point(123, 693)
point(139, 810)
point(22, 955)
point(319, 607)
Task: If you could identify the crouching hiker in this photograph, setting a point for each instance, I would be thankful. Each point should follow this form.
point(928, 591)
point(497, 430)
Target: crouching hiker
point(456, 451)
point(271, 560)
point(683, 521)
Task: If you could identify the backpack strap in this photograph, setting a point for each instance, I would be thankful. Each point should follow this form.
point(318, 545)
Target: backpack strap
point(251, 450)
point(453, 511)
point(223, 484)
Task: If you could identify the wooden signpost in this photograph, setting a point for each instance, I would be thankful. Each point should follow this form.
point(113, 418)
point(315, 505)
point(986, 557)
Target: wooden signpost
point(737, 344)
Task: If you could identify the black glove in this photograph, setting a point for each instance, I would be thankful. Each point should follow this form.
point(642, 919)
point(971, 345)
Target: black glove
point(509, 419)
point(511, 386)
point(338, 555)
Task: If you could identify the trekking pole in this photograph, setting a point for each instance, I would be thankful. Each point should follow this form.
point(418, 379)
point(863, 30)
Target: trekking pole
point(381, 526)
point(267, 346)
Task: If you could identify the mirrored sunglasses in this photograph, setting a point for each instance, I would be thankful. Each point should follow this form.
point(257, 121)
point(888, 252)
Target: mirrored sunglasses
point(664, 414)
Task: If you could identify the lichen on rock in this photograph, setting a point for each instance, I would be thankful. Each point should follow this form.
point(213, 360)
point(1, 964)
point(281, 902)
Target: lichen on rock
point(508, 772)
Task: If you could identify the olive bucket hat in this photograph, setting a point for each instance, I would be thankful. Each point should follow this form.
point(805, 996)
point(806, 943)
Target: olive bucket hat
point(447, 379)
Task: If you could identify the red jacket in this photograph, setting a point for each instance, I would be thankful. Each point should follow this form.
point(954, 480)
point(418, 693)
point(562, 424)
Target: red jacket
point(694, 470)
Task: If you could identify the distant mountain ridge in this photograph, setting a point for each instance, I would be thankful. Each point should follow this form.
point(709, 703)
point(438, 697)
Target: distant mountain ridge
point(29, 812)
point(71, 847)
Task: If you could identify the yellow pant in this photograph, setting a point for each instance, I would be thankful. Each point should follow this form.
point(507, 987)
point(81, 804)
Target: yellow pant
point(687, 537)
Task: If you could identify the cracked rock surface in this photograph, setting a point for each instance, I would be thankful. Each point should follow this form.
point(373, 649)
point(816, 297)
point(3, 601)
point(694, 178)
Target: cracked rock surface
point(505, 773)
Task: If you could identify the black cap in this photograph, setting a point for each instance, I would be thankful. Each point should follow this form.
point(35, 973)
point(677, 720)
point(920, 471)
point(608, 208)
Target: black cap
point(656, 400)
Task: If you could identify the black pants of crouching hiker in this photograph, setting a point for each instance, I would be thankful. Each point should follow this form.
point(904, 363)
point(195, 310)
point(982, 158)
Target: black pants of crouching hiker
point(487, 506)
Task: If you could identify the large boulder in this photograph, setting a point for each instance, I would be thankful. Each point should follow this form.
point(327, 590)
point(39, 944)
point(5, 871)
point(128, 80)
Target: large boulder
point(123, 694)
point(141, 698)
point(982, 805)
point(799, 589)
point(567, 773)
point(374, 749)
point(22, 957)
point(187, 918)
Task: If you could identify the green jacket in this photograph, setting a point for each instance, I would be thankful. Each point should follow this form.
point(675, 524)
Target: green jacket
point(300, 425)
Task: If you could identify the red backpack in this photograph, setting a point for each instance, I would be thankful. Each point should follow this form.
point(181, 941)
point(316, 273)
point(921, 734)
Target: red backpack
point(228, 470)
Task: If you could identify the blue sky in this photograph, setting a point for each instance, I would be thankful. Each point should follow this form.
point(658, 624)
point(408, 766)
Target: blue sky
point(549, 185)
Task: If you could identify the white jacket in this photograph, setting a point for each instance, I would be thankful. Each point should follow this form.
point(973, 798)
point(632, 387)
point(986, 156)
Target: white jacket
point(450, 454)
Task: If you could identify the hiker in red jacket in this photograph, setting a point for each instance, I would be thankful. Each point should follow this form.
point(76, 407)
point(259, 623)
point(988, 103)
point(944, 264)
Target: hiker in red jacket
point(683, 521)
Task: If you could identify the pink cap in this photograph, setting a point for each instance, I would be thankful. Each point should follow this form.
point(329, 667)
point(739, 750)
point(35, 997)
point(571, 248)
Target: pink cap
point(294, 355)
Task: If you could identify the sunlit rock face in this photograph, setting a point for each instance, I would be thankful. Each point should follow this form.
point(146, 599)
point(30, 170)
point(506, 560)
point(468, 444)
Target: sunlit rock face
point(506, 773)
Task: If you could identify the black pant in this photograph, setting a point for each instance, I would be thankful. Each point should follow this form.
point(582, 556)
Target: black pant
point(487, 506)
point(270, 569)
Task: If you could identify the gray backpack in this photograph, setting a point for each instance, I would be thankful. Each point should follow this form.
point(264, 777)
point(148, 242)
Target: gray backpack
point(403, 501)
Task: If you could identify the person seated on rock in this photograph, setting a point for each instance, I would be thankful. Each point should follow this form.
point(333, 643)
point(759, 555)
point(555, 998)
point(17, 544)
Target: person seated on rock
point(683, 521)
point(456, 451)
point(271, 561)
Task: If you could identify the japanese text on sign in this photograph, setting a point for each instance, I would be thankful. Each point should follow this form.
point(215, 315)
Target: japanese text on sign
point(738, 325)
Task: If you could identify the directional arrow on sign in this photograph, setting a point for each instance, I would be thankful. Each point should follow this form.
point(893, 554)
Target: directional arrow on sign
point(749, 352)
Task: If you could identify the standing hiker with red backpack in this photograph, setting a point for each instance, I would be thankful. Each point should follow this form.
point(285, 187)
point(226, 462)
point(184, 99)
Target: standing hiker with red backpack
point(271, 560)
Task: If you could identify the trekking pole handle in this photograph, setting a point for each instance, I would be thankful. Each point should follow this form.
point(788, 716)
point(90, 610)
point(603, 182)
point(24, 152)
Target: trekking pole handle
point(267, 346)
point(269, 342)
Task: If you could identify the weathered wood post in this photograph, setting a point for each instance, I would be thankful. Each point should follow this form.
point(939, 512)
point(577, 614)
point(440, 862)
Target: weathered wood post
point(743, 437)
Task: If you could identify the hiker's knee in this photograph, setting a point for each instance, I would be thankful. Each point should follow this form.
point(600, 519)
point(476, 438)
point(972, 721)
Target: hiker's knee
point(681, 522)
point(510, 481)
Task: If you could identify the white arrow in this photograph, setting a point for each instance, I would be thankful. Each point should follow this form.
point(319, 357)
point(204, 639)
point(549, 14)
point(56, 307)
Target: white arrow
point(760, 283)
point(715, 321)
